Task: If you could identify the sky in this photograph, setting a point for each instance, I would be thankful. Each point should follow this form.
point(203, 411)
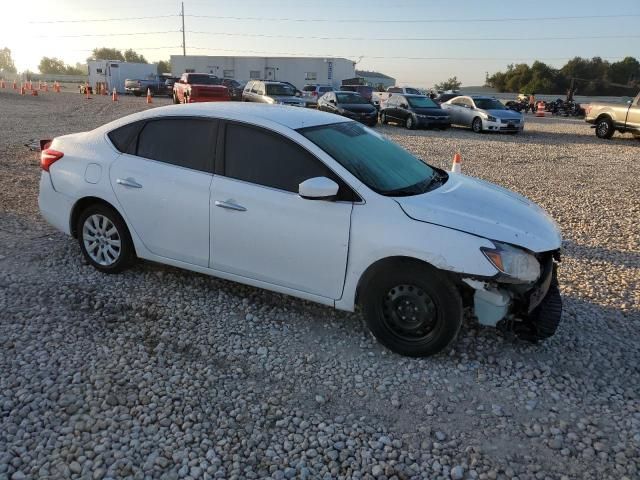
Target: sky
point(418, 42)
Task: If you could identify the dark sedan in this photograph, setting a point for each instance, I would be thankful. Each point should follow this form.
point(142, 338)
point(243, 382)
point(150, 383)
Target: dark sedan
point(351, 105)
point(414, 111)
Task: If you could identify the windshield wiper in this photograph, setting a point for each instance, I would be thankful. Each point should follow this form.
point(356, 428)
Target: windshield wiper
point(426, 185)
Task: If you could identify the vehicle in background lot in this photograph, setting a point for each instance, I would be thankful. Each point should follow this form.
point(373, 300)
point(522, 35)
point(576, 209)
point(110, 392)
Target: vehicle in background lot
point(483, 114)
point(607, 118)
point(414, 111)
point(364, 90)
point(446, 96)
point(156, 84)
point(199, 87)
point(350, 105)
point(308, 204)
point(235, 88)
point(169, 82)
point(379, 98)
point(312, 92)
point(271, 92)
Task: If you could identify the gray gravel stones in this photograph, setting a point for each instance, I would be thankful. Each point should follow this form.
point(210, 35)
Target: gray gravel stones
point(160, 373)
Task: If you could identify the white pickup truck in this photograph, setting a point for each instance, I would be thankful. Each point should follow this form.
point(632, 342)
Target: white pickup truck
point(606, 118)
point(380, 98)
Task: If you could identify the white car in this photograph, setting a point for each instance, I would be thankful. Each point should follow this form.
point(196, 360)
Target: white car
point(308, 204)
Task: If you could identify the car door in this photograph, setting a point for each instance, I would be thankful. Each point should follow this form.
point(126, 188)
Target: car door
point(390, 109)
point(467, 112)
point(633, 115)
point(163, 180)
point(262, 229)
point(402, 108)
point(455, 111)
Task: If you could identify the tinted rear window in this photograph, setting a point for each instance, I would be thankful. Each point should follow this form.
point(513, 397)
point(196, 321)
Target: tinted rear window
point(124, 138)
point(309, 88)
point(184, 142)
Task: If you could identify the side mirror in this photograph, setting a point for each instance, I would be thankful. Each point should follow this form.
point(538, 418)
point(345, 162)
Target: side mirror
point(332, 101)
point(318, 188)
point(404, 105)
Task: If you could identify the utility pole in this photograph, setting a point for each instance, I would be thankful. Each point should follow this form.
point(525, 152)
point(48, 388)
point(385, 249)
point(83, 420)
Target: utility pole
point(184, 45)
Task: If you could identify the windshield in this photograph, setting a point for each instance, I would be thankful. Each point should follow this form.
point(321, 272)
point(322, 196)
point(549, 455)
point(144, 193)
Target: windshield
point(379, 163)
point(276, 89)
point(489, 104)
point(422, 102)
point(351, 98)
point(203, 80)
point(412, 91)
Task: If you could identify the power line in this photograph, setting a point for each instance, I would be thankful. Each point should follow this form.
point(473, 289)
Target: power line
point(122, 19)
point(431, 20)
point(403, 39)
point(107, 34)
point(395, 57)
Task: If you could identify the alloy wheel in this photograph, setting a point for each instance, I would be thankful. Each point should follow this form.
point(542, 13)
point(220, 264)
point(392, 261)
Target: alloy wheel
point(101, 240)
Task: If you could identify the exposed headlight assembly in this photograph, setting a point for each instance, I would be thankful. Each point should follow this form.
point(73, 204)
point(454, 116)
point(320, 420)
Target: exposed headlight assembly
point(515, 264)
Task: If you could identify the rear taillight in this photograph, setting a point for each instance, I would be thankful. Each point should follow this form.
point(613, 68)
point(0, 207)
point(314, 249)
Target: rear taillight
point(315, 94)
point(48, 157)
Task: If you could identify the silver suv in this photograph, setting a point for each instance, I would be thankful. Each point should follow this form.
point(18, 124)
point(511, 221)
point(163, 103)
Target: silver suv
point(261, 91)
point(312, 92)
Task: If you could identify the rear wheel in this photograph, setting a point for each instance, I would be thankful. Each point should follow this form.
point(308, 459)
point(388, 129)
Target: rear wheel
point(410, 123)
point(412, 309)
point(604, 128)
point(476, 125)
point(104, 239)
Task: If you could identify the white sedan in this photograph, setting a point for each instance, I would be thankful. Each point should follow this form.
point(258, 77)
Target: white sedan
point(308, 204)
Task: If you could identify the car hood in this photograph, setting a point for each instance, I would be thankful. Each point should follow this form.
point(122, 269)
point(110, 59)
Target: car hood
point(358, 107)
point(487, 210)
point(432, 112)
point(506, 114)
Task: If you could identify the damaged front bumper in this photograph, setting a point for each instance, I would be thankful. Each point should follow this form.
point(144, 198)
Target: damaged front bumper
point(533, 312)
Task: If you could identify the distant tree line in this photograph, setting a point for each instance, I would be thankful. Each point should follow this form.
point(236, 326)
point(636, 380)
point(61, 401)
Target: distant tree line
point(57, 66)
point(593, 76)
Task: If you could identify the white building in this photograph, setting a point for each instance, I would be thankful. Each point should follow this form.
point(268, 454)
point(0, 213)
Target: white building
point(115, 72)
point(297, 70)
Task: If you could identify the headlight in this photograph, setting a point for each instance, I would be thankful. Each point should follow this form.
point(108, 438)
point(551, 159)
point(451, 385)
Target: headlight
point(518, 265)
point(491, 118)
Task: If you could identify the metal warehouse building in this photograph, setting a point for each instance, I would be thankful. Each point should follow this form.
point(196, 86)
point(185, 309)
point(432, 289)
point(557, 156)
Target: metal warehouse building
point(297, 70)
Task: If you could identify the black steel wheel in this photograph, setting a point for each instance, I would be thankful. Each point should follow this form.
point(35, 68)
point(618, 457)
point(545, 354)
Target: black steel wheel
point(412, 309)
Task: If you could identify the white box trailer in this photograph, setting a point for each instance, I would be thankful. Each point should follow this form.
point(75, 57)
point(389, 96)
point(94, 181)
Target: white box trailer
point(115, 72)
point(297, 70)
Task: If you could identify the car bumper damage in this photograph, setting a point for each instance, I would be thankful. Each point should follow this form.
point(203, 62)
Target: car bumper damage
point(533, 312)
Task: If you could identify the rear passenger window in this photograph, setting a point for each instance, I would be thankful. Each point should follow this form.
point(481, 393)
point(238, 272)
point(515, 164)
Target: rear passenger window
point(124, 138)
point(184, 142)
point(257, 156)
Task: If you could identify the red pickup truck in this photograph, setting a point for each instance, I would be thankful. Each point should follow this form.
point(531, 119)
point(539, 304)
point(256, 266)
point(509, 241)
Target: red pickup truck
point(199, 87)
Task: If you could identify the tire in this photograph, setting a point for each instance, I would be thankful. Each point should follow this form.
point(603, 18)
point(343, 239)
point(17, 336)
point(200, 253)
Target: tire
point(410, 123)
point(430, 293)
point(476, 125)
point(96, 226)
point(175, 99)
point(604, 128)
point(545, 318)
point(383, 118)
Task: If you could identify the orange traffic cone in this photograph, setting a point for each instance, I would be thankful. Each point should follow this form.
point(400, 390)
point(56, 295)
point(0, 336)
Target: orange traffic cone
point(15, 85)
point(114, 95)
point(540, 109)
point(86, 90)
point(46, 87)
point(22, 90)
point(149, 96)
point(34, 92)
point(457, 163)
point(2, 85)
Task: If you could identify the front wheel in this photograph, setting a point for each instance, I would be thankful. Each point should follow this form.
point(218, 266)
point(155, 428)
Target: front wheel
point(175, 99)
point(604, 128)
point(412, 309)
point(104, 239)
point(476, 125)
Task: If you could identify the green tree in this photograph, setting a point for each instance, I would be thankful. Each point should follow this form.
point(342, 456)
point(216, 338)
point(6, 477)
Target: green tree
point(164, 66)
point(104, 53)
point(132, 56)
point(625, 71)
point(450, 84)
point(6, 62)
point(52, 65)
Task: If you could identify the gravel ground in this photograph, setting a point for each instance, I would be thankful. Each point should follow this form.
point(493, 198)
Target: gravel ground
point(161, 373)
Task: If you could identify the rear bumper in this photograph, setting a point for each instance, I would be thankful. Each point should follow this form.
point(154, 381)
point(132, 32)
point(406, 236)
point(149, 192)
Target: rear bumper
point(54, 206)
point(208, 99)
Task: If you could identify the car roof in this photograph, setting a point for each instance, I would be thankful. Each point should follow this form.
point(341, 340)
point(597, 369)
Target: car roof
point(256, 113)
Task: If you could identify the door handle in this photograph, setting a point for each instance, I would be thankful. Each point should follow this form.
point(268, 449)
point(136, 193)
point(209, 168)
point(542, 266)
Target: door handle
point(128, 182)
point(230, 205)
